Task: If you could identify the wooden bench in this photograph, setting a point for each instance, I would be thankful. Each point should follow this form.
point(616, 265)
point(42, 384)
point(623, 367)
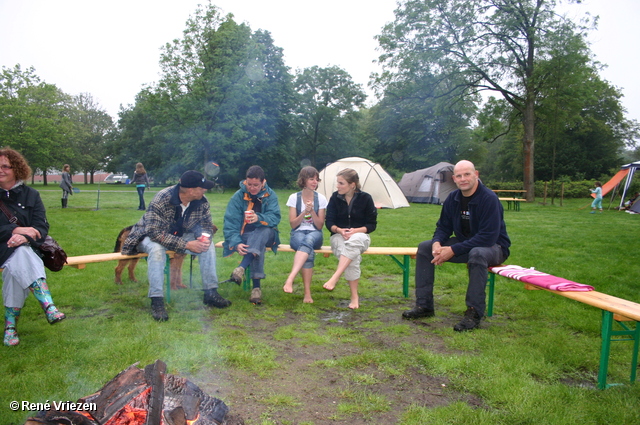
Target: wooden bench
point(405, 265)
point(512, 201)
point(614, 310)
point(80, 262)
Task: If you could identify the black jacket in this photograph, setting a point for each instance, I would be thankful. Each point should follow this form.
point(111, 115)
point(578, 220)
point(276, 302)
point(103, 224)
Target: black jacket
point(360, 213)
point(25, 203)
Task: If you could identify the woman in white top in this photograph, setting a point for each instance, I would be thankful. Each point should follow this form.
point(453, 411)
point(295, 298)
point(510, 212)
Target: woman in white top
point(306, 215)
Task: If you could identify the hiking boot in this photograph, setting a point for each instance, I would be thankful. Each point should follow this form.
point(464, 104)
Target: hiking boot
point(53, 314)
point(417, 312)
point(11, 336)
point(213, 299)
point(470, 321)
point(157, 309)
point(256, 296)
point(237, 275)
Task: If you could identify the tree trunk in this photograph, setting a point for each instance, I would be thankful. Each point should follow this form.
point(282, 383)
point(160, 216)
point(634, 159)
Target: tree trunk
point(528, 149)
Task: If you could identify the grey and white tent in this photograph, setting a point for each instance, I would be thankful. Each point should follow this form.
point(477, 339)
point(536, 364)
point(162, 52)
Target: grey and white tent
point(430, 185)
point(632, 167)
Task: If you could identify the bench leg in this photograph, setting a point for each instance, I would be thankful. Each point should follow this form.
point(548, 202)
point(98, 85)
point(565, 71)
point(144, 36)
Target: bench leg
point(608, 335)
point(246, 284)
point(405, 265)
point(491, 282)
point(167, 277)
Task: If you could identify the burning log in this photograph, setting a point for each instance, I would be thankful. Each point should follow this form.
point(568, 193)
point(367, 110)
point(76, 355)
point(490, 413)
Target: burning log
point(142, 397)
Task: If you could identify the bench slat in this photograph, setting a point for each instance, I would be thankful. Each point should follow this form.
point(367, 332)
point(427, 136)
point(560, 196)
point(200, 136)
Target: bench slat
point(616, 305)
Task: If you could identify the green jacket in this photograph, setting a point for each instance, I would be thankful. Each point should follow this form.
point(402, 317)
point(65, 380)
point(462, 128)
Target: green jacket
point(234, 216)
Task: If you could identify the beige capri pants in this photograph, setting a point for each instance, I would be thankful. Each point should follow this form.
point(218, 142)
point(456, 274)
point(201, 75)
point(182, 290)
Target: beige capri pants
point(352, 249)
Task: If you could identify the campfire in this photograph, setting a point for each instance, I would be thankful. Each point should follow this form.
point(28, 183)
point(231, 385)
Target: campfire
point(141, 397)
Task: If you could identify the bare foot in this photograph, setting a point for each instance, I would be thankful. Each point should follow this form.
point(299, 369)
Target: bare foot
point(330, 285)
point(307, 299)
point(354, 304)
point(288, 287)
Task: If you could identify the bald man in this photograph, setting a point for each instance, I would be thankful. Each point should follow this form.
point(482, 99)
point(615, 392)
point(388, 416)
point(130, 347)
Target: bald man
point(470, 230)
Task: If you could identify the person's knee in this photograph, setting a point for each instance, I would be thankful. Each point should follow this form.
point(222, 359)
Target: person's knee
point(478, 256)
point(425, 248)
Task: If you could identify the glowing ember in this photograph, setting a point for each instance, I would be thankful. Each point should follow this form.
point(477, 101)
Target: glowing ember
point(146, 396)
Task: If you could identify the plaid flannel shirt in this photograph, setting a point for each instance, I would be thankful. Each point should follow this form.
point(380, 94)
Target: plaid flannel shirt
point(158, 222)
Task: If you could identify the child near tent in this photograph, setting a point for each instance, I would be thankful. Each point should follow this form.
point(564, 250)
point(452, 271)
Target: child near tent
point(597, 202)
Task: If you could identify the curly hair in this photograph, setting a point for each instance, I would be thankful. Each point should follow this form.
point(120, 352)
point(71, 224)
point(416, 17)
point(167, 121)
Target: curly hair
point(305, 174)
point(21, 169)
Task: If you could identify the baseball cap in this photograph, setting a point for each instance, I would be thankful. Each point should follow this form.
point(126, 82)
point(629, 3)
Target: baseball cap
point(193, 178)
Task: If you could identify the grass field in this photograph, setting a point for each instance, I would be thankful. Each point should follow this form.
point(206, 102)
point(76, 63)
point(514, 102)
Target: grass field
point(285, 362)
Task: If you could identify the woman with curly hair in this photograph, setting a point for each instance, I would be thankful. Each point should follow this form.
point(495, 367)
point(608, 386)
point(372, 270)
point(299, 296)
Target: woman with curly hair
point(23, 228)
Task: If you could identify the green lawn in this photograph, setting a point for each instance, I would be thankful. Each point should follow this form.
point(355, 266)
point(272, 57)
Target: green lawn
point(535, 361)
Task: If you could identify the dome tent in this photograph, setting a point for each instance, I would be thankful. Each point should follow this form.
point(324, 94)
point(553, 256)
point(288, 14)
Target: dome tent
point(373, 179)
point(430, 185)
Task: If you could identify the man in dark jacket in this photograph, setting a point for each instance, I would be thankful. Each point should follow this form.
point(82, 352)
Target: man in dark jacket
point(174, 221)
point(470, 230)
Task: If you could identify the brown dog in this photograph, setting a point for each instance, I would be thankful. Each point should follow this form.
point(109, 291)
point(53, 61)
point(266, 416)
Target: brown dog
point(175, 264)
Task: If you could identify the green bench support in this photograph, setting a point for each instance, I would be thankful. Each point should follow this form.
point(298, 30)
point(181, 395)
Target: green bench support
point(627, 328)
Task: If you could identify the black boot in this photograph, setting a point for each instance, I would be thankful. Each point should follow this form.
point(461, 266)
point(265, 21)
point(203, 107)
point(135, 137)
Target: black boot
point(62, 202)
point(213, 299)
point(157, 309)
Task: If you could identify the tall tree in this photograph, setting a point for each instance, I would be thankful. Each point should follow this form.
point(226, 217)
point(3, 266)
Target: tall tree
point(34, 118)
point(92, 126)
point(222, 92)
point(418, 126)
point(482, 45)
point(325, 98)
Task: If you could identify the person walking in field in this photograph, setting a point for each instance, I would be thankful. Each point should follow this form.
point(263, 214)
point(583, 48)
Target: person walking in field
point(141, 180)
point(66, 184)
point(597, 202)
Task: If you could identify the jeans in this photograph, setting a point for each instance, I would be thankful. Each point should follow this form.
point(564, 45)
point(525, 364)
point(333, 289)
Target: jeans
point(258, 241)
point(157, 259)
point(306, 241)
point(141, 206)
point(478, 259)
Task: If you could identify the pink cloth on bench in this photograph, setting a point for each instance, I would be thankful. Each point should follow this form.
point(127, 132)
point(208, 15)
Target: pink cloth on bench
point(543, 280)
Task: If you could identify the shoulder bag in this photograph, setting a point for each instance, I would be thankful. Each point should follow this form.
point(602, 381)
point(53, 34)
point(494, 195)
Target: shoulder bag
point(52, 254)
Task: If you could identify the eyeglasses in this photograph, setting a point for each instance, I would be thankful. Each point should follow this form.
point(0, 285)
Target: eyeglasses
point(6, 167)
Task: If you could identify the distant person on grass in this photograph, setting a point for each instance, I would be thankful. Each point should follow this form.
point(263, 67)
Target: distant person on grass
point(597, 202)
point(141, 180)
point(66, 184)
point(471, 230)
point(306, 216)
point(250, 227)
point(23, 228)
point(176, 218)
point(351, 217)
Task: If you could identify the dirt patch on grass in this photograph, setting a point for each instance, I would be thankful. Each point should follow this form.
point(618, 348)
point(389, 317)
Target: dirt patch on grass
point(370, 376)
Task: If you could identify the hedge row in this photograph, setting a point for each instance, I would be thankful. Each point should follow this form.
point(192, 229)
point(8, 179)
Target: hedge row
point(577, 189)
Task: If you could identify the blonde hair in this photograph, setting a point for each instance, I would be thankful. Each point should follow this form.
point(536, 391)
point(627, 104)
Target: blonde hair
point(351, 176)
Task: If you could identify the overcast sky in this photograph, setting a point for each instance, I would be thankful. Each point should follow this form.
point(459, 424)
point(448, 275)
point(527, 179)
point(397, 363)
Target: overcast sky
point(111, 49)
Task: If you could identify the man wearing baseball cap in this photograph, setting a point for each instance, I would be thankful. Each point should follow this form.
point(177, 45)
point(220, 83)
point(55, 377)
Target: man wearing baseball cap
point(175, 219)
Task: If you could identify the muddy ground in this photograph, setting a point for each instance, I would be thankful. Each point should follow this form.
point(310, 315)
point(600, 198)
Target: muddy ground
point(318, 390)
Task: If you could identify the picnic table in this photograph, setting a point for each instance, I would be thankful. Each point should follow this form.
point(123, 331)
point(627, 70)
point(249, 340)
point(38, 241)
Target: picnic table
point(514, 200)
